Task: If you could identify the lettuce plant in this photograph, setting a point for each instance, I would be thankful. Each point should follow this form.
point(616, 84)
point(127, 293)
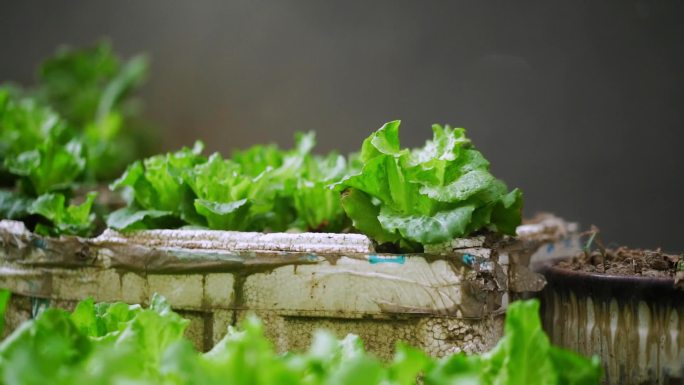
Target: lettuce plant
point(63, 218)
point(127, 344)
point(407, 198)
point(427, 195)
point(259, 189)
point(72, 127)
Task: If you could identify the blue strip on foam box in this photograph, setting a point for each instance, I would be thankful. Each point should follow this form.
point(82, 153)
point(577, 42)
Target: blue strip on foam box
point(373, 259)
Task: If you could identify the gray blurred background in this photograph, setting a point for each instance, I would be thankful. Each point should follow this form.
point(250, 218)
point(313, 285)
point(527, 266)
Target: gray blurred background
point(579, 103)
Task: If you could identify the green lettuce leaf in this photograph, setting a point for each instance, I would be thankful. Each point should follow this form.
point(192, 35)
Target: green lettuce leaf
point(427, 229)
point(85, 93)
point(39, 351)
point(4, 301)
point(430, 194)
point(25, 122)
point(364, 214)
point(119, 343)
point(50, 166)
point(225, 216)
point(259, 189)
point(14, 205)
point(63, 218)
point(525, 355)
point(225, 195)
point(158, 186)
point(318, 207)
point(86, 84)
point(132, 218)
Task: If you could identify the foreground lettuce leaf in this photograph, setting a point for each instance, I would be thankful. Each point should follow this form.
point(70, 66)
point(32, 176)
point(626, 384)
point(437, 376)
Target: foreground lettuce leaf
point(4, 301)
point(526, 356)
point(427, 195)
point(38, 351)
point(128, 344)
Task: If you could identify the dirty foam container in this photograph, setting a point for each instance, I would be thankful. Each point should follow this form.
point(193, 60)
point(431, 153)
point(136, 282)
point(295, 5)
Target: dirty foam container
point(449, 299)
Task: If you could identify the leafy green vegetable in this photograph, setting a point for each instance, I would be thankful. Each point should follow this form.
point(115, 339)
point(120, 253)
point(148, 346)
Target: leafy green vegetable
point(396, 196)
point(90, 89)
point(24, 123)
point(86, 93)
point(364, 214)
point(131, 218)
point(13, 205)
point(87, 84)
point(224, 195)
point(318, 207)
point(295, 186)
point(157, 182)
point(427, 195)
point(36, 351)
point(119, 343)
point(4, 301)
point(262, 188)
point(68, 220)
point(50, 167)
point(523, 356)
point(75, 126)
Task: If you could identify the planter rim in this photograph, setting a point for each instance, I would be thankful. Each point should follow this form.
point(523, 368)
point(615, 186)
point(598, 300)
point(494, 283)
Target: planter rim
point(622, 285)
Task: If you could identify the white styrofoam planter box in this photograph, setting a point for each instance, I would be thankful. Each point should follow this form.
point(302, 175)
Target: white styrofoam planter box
point(450, 298)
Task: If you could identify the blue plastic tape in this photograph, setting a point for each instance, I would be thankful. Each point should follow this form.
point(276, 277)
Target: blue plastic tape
point(373, 259)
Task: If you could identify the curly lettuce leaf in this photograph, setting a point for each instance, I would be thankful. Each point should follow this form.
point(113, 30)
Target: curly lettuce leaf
point(50, 167)
point(25, 122)
point(64, 219)
point(224, 194)
point(133, 218)
point(158, 186)
point(225, 216)
point(36, 147)
point(431, 194)
point(121, 343)
point(427, 229)
point(256, 159)
point(297, 183)
point(86, 93)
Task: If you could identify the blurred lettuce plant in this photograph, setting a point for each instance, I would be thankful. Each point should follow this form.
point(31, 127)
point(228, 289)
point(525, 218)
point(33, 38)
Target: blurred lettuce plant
point(118, 343)
point(76, 125)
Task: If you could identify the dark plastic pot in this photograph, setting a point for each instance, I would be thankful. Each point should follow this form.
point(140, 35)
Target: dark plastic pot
point(634, 324)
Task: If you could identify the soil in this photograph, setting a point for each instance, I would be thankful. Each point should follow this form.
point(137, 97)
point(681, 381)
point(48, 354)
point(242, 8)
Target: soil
point(626, 262)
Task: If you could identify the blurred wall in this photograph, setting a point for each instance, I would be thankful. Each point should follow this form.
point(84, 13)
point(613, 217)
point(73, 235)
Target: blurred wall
point(579, 103)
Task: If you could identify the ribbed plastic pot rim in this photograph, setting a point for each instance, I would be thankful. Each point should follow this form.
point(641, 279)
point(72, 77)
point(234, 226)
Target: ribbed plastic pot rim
point(619, 285)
